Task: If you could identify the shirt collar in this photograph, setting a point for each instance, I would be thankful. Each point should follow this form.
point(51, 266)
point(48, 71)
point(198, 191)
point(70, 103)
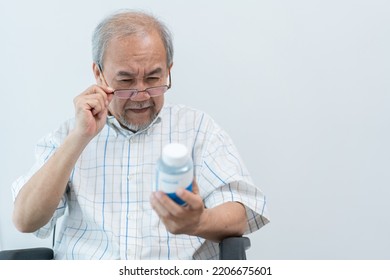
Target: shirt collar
point(113, 123)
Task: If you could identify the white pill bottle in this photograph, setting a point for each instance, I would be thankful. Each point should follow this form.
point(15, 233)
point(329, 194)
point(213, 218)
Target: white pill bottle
point(175, 169)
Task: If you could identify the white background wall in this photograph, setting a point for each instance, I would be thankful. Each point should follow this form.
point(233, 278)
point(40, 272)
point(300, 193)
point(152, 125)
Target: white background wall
point(302, 87)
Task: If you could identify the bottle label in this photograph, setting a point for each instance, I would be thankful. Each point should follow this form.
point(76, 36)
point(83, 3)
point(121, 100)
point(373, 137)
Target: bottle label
point(169, 183)
point(177, 199)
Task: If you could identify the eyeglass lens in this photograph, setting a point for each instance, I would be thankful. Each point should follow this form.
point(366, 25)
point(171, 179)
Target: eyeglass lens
point(131, 93)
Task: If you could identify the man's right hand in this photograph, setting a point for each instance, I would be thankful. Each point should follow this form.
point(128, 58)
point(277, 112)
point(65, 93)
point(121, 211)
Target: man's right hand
point(91, 109)
point(40, 196)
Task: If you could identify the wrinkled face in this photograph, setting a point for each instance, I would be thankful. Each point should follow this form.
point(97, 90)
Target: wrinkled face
point(135, 62)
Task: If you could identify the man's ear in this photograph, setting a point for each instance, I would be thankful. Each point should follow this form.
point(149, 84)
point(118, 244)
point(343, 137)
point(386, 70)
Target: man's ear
point(96, 73)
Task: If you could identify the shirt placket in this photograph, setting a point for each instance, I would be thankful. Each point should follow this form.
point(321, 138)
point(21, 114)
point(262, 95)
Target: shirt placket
point(129, 225)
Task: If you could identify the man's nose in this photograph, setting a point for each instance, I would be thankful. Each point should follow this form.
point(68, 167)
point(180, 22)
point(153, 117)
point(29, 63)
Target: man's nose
point(141, 95)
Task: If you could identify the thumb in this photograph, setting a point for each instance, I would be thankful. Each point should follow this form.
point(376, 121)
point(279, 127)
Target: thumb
point(195, 187)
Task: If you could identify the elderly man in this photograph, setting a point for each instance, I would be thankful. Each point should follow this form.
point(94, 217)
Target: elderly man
point(99, 167)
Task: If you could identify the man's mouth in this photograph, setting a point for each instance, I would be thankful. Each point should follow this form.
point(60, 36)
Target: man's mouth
point(139, 107)
point(142, 110)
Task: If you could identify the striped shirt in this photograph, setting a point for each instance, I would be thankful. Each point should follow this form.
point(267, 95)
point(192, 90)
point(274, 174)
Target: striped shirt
point(106, 207)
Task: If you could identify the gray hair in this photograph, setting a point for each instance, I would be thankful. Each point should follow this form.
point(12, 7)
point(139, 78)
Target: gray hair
point(126, 23)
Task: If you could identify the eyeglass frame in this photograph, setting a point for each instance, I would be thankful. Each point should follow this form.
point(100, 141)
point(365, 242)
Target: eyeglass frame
point(136, 91)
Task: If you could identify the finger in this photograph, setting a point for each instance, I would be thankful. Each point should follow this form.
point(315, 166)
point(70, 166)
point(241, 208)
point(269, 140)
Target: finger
point(110, 96)
point(167, 207)
point(106, 89)
point(95, 104)
point(95, 88)
point(108, 93)
point(195, 187)
point(105, 92)
point(194, 201)
point(157, 206)
point(101, 95)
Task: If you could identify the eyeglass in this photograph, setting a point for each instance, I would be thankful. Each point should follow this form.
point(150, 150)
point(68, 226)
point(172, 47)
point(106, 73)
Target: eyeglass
point(131, 93)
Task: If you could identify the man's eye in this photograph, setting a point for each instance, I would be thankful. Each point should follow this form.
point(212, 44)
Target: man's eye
point(151, 79)
point(126, 81)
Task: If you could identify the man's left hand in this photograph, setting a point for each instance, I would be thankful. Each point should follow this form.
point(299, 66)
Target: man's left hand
point(178, 219)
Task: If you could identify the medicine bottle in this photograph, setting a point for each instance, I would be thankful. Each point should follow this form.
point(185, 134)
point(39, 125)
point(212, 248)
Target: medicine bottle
point(174, 170)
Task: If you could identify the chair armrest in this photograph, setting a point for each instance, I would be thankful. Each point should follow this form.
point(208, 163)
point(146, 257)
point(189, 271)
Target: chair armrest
point(27, 254)
point(233, 248)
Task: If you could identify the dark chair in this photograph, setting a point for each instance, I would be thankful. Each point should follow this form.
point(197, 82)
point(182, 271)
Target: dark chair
point(27, 254)
point(232, 248)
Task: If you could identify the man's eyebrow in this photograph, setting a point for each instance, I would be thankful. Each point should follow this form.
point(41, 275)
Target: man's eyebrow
point(125, 73)
point(154, 72)
point(122, 73)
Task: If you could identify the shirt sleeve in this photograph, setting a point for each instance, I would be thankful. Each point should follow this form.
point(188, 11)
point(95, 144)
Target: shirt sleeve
point(44, 149)
point(224, 177)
